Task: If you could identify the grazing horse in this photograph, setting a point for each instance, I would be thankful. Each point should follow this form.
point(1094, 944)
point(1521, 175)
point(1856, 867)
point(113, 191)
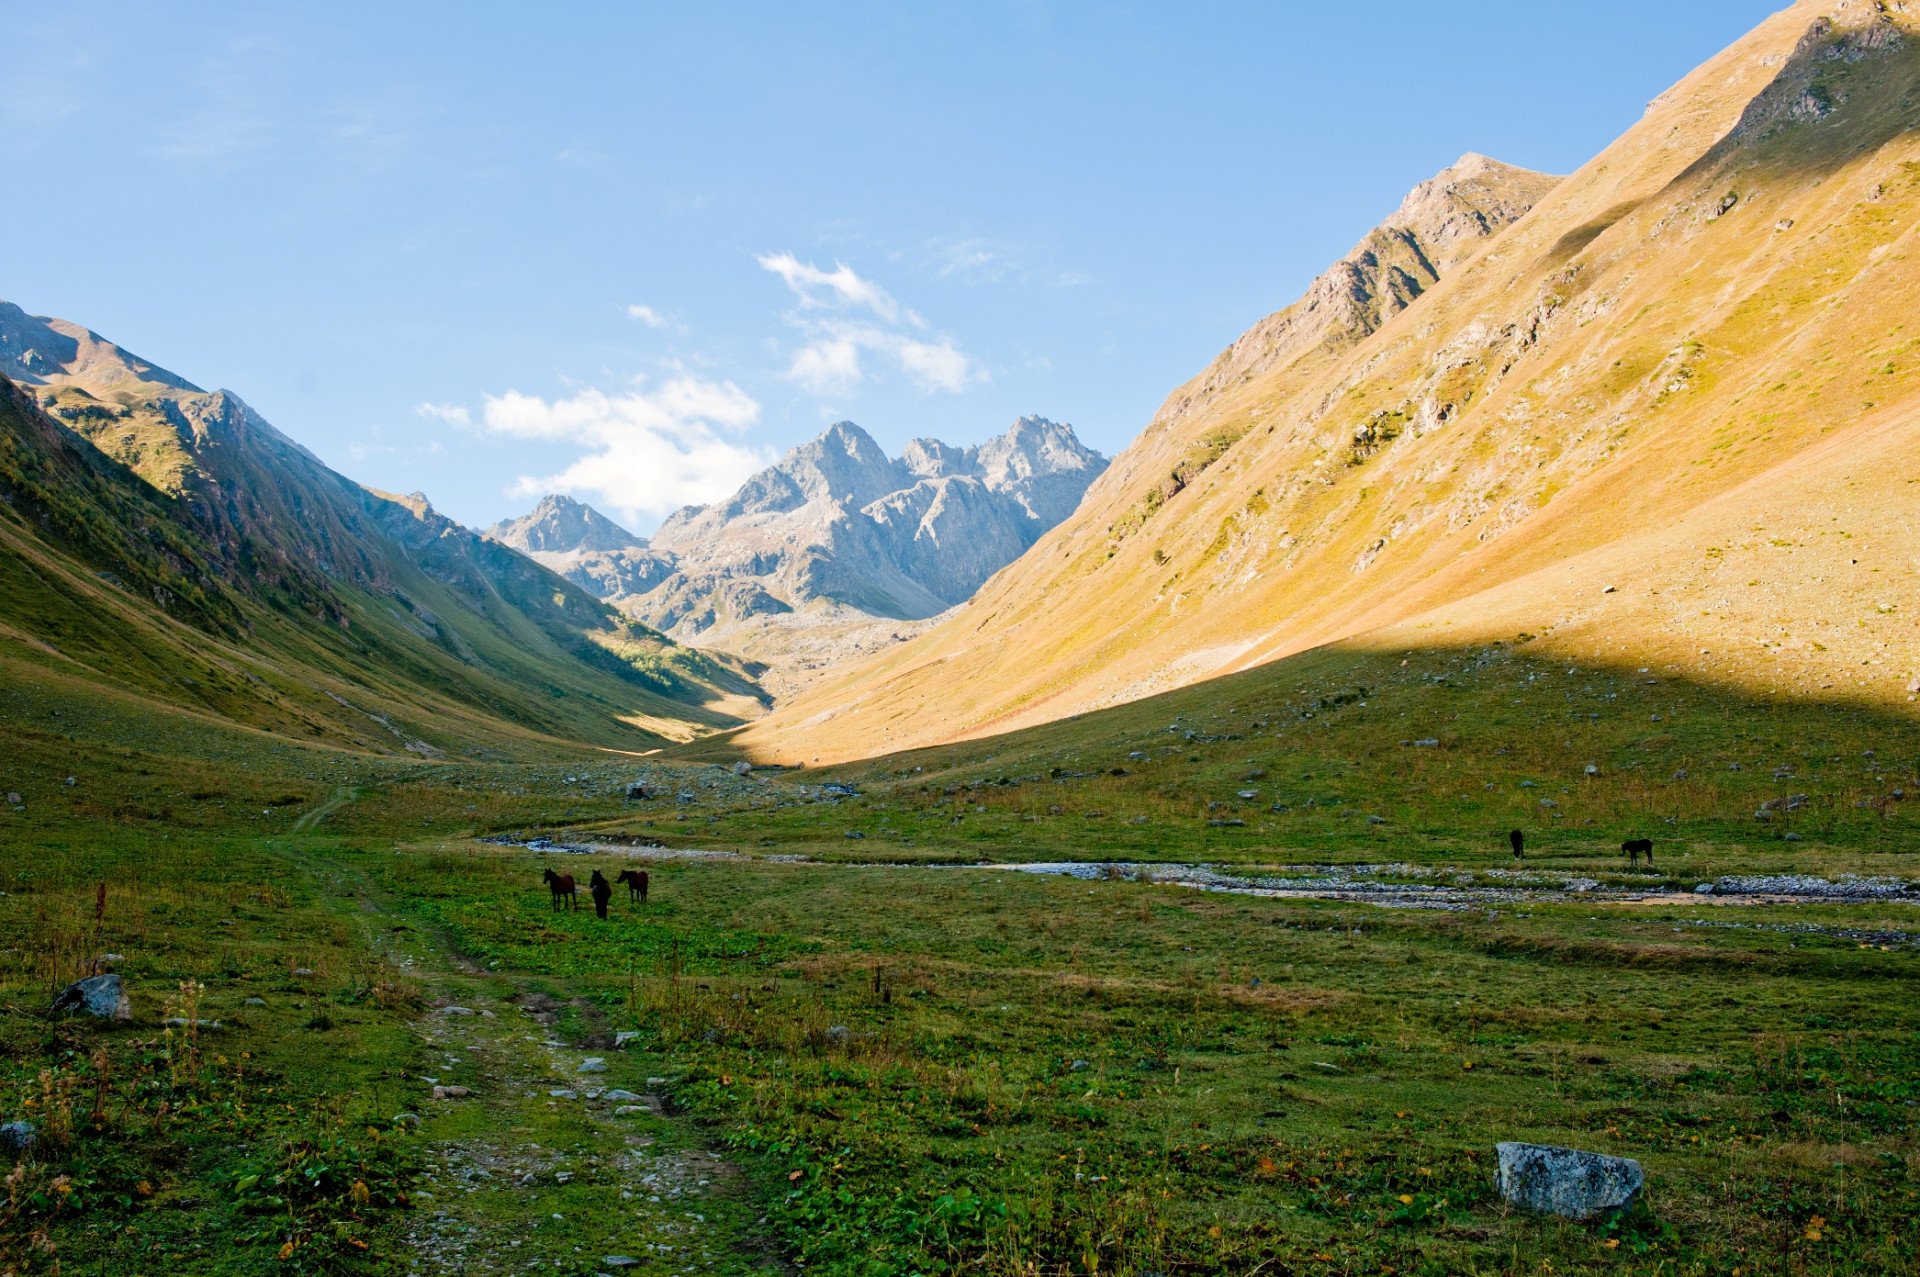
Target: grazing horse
point(1519, 841)
point(636, 880)
point(601, 891)
point(560, 885)
point(1634, 847)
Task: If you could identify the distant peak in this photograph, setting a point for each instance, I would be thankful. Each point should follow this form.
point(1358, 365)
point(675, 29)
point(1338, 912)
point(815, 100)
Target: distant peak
point(846, 432)
point(561, 524)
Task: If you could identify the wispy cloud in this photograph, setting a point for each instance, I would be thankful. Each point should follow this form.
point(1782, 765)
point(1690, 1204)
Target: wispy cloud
point(648, 451)
point(452, 413)
point(647, 315)
point(838, 288)
point(833, 358)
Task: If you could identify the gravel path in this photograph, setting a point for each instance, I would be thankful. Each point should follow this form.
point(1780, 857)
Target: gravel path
point(533, 1164)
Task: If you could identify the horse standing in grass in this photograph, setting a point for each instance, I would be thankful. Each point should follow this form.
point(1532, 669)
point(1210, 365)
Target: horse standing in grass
point(1634, 848)
point(636, 880)
point(1519, 841)
point(560, 885)
point(601, 891)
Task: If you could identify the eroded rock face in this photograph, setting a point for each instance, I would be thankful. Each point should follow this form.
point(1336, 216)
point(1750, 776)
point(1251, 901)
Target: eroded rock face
point(1567, 1181)
point(101, 996)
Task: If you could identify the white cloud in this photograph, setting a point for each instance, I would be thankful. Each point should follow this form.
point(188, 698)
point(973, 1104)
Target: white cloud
point(648, 452)
point(452, 413)
point(839, 287)
point(647, 315)
point(831, 361)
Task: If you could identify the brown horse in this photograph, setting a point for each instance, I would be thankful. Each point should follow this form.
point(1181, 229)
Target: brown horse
point(560, 885)
point(1634, 848)
point(636, 880)
point(601, 893)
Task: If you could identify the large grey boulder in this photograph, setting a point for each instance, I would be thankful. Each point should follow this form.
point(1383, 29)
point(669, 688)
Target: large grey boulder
point(1566, 1181)
point(101, 996)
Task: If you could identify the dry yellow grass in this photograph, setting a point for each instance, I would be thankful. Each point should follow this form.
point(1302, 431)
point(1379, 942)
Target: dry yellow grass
point(1688, 373)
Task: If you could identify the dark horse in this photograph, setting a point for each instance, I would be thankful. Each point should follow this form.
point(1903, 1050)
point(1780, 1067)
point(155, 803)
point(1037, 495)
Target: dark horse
point(560, 885)
point(1634, 847)
point(636, 880)
point(1519, 841)
point(601, 891)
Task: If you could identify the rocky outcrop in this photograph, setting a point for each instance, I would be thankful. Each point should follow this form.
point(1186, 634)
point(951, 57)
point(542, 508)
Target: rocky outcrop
point(1441, 222)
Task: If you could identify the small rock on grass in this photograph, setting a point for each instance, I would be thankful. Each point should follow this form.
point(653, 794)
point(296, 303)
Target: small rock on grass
point(18, 1137)
point(620, 1097)
point(101, 996)
point(451, 1092)
point(456, 1011)
point(628, 1110)
point(562, 1093)
point(593, 1064)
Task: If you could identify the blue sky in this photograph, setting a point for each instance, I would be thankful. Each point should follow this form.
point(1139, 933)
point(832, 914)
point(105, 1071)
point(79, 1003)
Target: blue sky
point(633, 250)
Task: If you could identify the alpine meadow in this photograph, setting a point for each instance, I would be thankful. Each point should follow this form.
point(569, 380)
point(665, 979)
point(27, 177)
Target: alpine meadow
point(1441, 798)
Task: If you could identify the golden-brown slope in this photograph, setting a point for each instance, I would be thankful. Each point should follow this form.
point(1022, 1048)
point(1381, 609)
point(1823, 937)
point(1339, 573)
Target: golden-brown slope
point(1721, 289)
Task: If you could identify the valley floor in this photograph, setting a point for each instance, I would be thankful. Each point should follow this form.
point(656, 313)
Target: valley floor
point(1276, 1036)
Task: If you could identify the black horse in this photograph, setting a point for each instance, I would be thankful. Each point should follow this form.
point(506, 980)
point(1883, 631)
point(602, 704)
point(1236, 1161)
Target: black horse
point(561, 885)
point(601, 891)
point(636, 880)
point(1634, 848)
point(1519, 841)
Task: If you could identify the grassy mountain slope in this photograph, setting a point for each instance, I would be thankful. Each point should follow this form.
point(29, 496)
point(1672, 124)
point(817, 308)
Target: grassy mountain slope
point(165, 540)
point(1621, 388)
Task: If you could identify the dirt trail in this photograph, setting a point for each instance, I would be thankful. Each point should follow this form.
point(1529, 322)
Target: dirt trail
point(333, 802)
point(539, 1165)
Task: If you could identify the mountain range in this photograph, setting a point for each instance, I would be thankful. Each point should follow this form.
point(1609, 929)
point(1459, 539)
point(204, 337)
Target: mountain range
point(836, 549)
point(165, 543)
point(1664, 405)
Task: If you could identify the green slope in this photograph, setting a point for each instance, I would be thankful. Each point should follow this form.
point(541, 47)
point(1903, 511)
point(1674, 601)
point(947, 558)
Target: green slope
point(225, 571)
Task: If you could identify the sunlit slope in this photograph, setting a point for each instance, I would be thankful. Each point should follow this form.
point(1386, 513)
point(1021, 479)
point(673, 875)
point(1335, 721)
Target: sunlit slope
point(1658, 341)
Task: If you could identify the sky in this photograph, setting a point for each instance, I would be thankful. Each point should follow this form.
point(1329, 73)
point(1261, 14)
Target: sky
point(632, 252)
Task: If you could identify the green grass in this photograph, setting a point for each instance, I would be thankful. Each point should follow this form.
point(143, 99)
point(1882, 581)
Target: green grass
point(1282, 1071)
point(989, 1071)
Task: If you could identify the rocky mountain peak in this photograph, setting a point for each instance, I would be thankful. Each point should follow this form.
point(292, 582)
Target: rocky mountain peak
point(38, 350)
point(561, 525)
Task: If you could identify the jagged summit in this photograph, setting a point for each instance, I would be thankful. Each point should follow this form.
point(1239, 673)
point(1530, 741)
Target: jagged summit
point(835, 534)
point(559, 524)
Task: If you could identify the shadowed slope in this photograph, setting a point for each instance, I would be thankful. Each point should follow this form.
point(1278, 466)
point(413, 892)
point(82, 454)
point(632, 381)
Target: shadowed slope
point(168, 540)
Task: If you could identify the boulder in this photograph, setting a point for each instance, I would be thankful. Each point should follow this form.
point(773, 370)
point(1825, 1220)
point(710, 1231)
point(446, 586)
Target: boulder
point(101, 996)
point(1567, 1181)
point(18, 1138)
